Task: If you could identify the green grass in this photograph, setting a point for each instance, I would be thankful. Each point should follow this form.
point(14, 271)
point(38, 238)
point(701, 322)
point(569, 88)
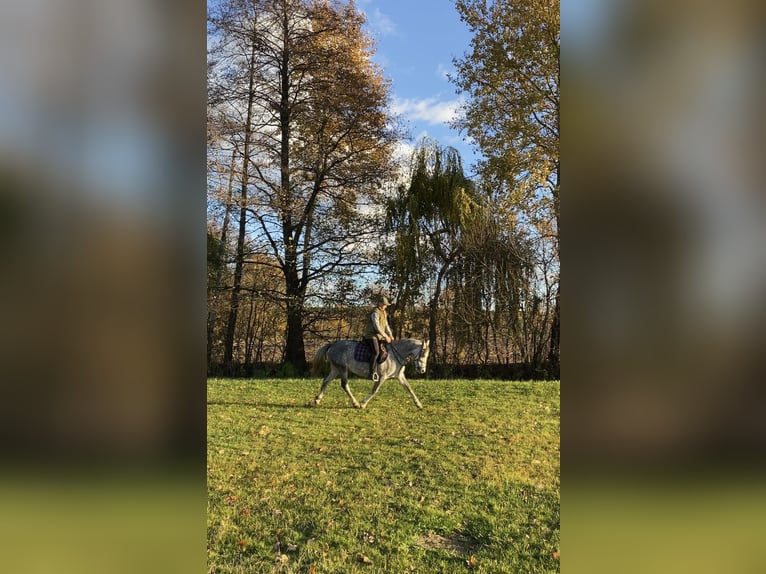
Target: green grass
point(468, 484)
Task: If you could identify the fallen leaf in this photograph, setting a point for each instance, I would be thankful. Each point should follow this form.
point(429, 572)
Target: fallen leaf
point(282, 559)
point(368, 537)
point(555, 555)
point(313, 569)
point(471, 562)
point(364, 560)
point(242, 543)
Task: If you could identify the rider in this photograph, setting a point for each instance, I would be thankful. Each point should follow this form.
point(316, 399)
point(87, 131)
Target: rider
point(376, 329)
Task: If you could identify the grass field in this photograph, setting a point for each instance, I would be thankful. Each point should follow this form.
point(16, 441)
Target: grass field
point(468, 484)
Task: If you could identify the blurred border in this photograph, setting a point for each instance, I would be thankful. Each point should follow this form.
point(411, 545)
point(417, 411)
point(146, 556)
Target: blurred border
point(102, 293)
point(665, 274)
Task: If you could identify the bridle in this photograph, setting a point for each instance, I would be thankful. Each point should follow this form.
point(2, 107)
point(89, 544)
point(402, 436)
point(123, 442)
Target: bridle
point(396, 354)
point(401, 360)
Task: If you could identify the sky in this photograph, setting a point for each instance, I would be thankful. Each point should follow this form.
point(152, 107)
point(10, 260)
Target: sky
point(416, 42)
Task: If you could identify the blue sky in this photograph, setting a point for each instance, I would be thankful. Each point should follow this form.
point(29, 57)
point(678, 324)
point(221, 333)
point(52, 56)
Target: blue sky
point(416, 42)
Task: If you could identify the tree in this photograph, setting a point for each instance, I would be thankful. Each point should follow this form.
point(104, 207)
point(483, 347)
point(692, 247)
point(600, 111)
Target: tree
point(315, 137)
point(215, 270)
point(428, 216)
point(220, 193)
point(511, 78)
point(230, 93)
point(487, 287)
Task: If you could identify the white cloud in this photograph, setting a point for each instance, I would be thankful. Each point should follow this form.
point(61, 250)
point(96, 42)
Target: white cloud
point(403, 152)
point(429, 110)
point(442, 71)
point(380, 23)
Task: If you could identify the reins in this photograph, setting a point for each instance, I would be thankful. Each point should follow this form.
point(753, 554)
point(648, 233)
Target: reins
point(399, 358)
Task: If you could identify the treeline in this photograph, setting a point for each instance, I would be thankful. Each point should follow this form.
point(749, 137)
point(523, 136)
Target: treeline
point(493, 316)
point(492, 351)
point(310, 214)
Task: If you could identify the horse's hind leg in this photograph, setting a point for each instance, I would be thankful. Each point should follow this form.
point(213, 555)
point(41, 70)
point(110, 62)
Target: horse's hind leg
point(325, 382)
point(344, 384)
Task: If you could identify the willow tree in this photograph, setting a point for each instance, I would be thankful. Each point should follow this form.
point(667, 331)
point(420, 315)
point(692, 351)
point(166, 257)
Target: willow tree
point(428, 216)
point(511, 78)
point(315, 136)
point(487, 287)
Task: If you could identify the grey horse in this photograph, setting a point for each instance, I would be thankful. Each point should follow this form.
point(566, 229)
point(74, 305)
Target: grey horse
point(340, 355)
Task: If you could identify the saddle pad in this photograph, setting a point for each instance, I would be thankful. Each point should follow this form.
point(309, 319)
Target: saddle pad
point(363, 353)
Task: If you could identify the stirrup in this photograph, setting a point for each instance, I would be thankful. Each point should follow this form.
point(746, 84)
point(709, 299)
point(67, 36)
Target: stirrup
point(375, 377)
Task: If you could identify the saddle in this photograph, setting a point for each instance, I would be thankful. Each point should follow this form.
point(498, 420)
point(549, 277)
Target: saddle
point(363, 351)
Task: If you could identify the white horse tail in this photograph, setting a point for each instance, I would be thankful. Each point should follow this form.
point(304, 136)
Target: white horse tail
point(321, 355)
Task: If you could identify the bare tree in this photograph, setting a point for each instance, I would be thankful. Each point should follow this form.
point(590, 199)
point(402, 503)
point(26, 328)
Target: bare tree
point(315, 139)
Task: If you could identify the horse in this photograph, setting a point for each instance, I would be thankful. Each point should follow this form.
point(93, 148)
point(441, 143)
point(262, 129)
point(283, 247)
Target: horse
point(340, 355)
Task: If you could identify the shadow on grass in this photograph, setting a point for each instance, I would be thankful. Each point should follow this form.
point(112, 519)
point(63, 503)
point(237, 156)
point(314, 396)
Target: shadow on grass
point(455, 543)
point(290, 406)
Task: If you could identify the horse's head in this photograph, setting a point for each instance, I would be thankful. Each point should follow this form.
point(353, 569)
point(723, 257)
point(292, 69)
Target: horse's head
point(421, 361)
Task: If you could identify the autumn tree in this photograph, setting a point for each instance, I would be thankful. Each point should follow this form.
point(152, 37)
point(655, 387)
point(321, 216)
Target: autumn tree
point(511, 78)
point(315, 138)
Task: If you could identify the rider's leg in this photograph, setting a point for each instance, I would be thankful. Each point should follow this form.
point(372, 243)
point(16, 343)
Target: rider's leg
point(375, 355)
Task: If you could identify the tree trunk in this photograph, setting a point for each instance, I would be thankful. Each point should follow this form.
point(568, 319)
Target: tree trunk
point(213, 304)
point(239, 257)
point(295, 352)
point(433, 313)
point(239, 261)
point(554, 354)
point(295, 349)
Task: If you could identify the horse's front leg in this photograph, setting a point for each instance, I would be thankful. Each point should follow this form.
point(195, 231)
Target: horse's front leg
point(374, 391)
point(407, 386)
